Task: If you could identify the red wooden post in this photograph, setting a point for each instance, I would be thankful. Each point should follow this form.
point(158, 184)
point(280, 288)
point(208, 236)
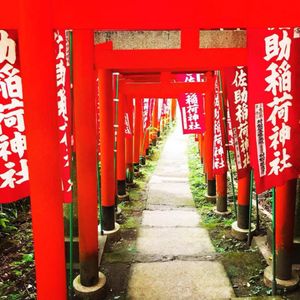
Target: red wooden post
point(121, 166)
point(41, 116)
point(129, 146)
point(137, 134)
point(240, 228)
point(221, 193)
point(85, 137)
point(107, 149)
point(209, 125)
point(173, 109)
point(155, 122)
point(243, 202)
point(285, 217)
point(201, 146)
point(143, 137)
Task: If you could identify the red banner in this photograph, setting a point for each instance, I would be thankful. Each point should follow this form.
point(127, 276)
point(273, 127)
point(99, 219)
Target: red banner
point(237, 93)
point(147, 112)
point(129, 118)
point(229, 129)
point(14, 178)
point(165, 109)
point(274, 110)
point(160, 102)
point(191, 106)
point(64, 103)
point(219, 155)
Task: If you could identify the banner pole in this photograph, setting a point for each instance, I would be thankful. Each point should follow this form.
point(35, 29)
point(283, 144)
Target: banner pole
point(73, 161)
point(274, 288)
point(250, 209)
point(116, 125)
point(257, 212)
point(226, 143)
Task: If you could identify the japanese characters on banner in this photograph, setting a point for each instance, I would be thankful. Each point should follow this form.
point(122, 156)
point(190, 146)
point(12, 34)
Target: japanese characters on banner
point(229, 128)
point(219, 155)
point(191, 106)
point(166, 106)
point(147, 112)
point(128, 118)
point(274, 110)
point(14, 178)
point(160, 104)
point(237, 93)
point(63, 95)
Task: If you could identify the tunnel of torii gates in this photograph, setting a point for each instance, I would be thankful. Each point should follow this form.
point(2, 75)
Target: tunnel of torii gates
point(35, 21)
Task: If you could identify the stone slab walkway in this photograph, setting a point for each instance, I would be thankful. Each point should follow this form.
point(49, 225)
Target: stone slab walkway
point(176, 259)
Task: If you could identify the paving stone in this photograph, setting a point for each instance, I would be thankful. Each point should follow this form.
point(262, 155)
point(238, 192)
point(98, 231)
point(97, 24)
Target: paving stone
point(174, 241)
point(172, 194)
point(179, 280)
point(178, 218)
point(176, 257)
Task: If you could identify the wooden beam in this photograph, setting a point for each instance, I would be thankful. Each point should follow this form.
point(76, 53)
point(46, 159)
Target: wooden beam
point(176, 60)
point(164, 90)
point(158, 15)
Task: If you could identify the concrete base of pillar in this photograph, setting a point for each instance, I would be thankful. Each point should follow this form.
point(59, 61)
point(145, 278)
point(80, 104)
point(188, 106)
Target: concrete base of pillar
point(122, 198)
point(222, 213)
point(112, 232)
point(239, 233)
point(118, 210)
point(130, 184)
point(211, 199)
point(288, 285)
point(143, 160)
point(96, 291)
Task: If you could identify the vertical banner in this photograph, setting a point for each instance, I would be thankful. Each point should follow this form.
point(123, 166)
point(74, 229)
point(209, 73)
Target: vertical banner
point(128, 117)
point(229, 128)
point(219, 155)
point(160, 103)
point(14, 178)
point(237, 92)
point(274, 105)
point(165, 109)
point(191, 106)
point(64, 103)
point(147, 112)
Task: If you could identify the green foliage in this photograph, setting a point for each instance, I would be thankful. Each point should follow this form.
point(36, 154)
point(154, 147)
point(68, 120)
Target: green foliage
point(9, 214)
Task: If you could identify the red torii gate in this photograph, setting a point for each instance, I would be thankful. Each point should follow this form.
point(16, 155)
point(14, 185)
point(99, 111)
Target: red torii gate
point(36, 20)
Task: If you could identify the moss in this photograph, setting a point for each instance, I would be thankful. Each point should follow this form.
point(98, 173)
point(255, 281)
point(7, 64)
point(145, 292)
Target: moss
point(244, 266)
point(130, 223)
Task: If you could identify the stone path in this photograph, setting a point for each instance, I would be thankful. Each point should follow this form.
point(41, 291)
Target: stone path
point(176, 259)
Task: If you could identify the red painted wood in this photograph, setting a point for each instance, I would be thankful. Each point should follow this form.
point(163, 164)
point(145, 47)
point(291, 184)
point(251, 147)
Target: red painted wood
point(137, 130)
point(86, 138)
point(121, 167)
point(157, 14)
point(243, 197)
point(106, 138)
point(163, 90)
point(41, 120)
point(209, 125)
point(285, 215)
point(175, 60)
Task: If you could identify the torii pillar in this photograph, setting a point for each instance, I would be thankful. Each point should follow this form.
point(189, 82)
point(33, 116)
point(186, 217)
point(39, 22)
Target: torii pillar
point(129, 144)
point(108, 186)
point(41, 115)
point(284, 237)
point(209, 125)
point(121, 165)
point(137, 134)
point(90, 282)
